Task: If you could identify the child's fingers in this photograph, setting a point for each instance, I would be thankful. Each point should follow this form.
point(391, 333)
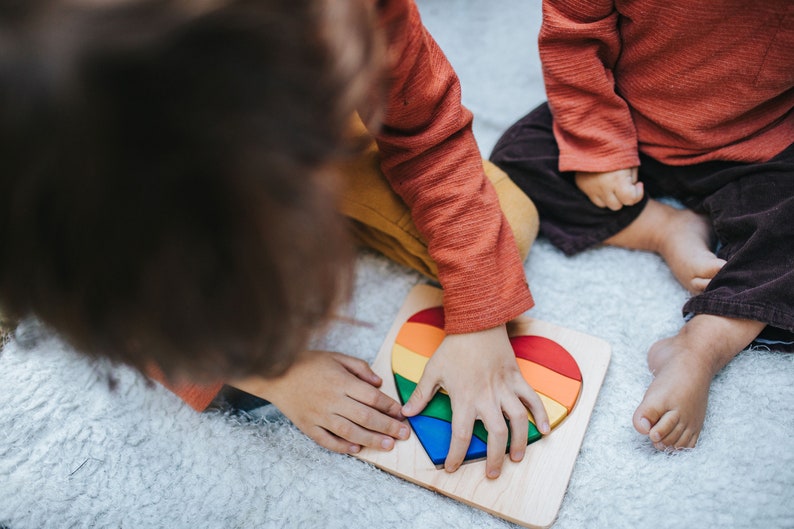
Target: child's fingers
point(348, 428)
point(629, 193)
point(497, 441)
point(598, 201)
point(332, 442)
point(376, 411)
point(613, 202)
point(532, 401)
point(352, 425)
point(425, 389)
point(516, 413)
point(462, 429)
point(368, 393)
point(359, 368)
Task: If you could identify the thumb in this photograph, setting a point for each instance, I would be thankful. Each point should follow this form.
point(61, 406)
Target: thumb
point(424, 391)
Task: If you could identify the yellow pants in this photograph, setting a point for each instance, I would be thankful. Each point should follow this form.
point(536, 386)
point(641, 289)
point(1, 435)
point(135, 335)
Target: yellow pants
point(382, 221)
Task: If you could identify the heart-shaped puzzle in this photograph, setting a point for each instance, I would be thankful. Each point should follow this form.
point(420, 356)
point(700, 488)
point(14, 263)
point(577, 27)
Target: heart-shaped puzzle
point(546, 366)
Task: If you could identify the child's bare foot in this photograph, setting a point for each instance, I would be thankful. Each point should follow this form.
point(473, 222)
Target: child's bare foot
point(672, 412)
point(683, 239)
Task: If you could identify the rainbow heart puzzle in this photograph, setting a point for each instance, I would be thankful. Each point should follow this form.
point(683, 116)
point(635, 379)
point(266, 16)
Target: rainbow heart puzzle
point(546, 366)
point(565, 367)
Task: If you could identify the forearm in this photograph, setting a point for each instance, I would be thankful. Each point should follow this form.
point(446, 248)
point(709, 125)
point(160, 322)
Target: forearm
point(432, 161)
point(579, 46)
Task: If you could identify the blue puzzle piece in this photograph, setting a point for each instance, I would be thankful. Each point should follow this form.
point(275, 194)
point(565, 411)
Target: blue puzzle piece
point(435, 436)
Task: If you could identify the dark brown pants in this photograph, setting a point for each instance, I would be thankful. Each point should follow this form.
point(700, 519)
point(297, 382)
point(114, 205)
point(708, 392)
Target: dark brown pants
point(751, 208)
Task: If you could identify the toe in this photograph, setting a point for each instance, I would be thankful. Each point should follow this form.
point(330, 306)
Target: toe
point(664, 427)
point(642, 423)
point(645, 417)
point(698, 285)
point(687, 439)
point(705, 273)
point(675, 437)
point(714, 267)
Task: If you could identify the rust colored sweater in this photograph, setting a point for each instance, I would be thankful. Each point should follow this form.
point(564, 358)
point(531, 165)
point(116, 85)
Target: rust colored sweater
point(432, 161)
point(683, 82)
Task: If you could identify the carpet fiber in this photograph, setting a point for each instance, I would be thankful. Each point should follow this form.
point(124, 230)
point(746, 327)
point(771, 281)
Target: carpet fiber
point(75, 454)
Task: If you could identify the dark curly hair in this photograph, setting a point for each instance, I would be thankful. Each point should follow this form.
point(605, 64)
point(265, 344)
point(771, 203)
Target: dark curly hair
point(166, 174)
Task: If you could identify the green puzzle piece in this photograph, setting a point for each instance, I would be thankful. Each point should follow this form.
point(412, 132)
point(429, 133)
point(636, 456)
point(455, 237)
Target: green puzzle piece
point(440, 407)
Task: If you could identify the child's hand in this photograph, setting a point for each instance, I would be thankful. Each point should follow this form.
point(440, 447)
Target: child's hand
point(333, 398)
point(480, 373)
point(612, 189)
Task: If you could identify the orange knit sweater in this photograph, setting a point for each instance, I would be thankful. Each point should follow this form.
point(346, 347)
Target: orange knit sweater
point(432, 161)
point(683, 82)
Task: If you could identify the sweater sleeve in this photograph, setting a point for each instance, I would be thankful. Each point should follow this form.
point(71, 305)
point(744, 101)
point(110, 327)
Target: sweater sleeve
point(432, 161)
point(579, 46)
point(197, 396)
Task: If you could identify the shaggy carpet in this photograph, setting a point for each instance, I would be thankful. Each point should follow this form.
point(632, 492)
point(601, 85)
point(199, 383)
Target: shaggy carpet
point(74, 454)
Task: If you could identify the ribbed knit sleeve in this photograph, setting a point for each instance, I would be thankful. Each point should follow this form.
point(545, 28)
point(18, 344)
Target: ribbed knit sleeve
point(432, 161)
point(197, 396)
point(579, 44)
point(683, 82)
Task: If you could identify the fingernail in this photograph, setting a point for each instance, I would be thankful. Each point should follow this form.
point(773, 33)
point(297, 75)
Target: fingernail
point(519, 456)
point(354, 449)
point(545, 428)
point(646, 424)
point(408, 408)
point(403, 433)
point(387, 443)
point(493, 474)
point(656, 437)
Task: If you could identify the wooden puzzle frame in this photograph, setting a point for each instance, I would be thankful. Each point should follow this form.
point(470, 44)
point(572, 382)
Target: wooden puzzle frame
point(528, 493)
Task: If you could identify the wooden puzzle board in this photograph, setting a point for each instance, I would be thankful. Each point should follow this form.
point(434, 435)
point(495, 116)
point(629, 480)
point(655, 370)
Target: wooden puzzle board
point(528, 493)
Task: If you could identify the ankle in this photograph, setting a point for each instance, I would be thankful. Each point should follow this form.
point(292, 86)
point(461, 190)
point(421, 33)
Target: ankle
point(715, 340)
point(644, 232)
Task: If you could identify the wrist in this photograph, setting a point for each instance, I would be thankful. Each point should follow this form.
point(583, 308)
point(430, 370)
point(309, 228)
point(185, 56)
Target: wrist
point(253, 385)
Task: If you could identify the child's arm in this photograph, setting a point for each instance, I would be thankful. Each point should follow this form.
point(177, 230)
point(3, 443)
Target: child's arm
point(611, 189)
point(432, 161)
point(331, 397)
point(335, 400)
point(579, 46)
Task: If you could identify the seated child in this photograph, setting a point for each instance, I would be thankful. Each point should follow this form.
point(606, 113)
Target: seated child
point(652, 98)
point(172, 174)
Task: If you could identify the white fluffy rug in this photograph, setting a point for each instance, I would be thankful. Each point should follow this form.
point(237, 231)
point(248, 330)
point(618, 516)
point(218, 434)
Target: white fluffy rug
point(74, 454)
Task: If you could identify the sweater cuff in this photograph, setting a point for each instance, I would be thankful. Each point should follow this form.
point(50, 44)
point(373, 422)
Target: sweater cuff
point(197, 396)
point(466, 314)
